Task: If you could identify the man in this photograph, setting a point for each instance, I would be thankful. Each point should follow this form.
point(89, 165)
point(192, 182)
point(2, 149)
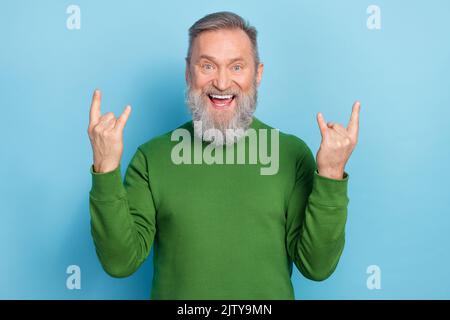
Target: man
point(220, 231)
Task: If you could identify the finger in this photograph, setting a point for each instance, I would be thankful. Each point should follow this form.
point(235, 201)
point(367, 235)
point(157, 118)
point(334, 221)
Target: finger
point(110, 124)
point(95, 113)
point(106, 117)
point(340, 129)
point(107, 121)
point(120, 123)
point(322, 124)
point(353, 124)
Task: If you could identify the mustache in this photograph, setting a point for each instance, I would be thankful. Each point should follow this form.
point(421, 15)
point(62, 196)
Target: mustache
point(211, 90)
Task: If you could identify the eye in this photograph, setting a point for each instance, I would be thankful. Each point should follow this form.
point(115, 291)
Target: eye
point(208, 67)
point(237, 68)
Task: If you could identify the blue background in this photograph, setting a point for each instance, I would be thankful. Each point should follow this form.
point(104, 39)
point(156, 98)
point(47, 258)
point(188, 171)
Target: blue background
point(318, 55)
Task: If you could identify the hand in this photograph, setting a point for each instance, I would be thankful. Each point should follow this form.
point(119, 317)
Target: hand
point(105, 133)
point(337, 144)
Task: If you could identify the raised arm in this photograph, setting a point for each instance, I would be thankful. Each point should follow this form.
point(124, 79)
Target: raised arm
point(122, 214)
point(317, 211)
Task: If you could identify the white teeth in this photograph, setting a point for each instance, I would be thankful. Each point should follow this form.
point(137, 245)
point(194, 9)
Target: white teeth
point(215, 96)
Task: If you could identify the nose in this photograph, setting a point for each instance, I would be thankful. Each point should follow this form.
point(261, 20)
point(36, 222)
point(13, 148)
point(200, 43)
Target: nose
point(222, 81)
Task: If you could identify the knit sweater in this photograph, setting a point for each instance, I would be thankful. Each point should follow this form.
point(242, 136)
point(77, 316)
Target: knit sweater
point(220, 230)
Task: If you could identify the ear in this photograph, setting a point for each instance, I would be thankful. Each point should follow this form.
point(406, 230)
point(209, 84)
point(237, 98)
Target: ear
point(259, 73)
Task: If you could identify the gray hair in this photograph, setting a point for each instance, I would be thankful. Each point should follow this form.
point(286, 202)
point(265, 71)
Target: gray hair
point(219, 21)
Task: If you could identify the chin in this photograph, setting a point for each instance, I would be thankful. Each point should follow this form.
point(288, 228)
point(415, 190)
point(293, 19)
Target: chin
point(222, 114)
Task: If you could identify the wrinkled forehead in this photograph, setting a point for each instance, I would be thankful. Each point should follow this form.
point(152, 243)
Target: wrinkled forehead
point(223, 46)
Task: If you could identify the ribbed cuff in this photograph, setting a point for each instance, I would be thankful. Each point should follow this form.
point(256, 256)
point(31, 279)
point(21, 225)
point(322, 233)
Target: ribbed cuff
point(107, 186)
point(330, 192)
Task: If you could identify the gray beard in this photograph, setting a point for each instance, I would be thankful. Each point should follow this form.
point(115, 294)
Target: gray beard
point(208, 128)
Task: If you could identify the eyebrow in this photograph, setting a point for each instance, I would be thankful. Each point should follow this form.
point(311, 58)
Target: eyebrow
point(205, 56)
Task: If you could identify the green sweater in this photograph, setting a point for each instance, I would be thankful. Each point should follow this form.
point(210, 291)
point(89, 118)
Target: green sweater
point(220, 231)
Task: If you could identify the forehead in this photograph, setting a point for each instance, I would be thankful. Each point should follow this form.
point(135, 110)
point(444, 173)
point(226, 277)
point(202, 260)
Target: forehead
point(222, 44)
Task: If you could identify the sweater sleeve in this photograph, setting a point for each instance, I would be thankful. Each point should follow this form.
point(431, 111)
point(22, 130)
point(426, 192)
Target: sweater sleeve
point(122, 217)
point(316, 217)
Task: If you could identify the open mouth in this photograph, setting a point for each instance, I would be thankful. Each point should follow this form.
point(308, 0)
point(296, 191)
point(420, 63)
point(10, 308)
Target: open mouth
point(221, 100)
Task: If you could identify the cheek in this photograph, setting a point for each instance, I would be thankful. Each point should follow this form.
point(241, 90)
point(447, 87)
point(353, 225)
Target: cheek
point(200, 80)
point(244, 81)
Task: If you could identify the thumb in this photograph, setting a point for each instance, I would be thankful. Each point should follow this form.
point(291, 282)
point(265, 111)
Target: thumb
point(122, 120)
point(322, 124)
